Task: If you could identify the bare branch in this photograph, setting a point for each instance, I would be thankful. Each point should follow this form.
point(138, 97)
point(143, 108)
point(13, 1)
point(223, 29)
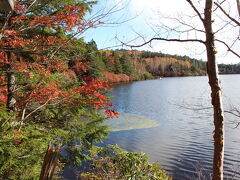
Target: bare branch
point(230, 112)
point(41, 106)
point(228, 47)
point(221, 28)
point(5, 23)
point(164, 39)
point(196, 11)
point(23, 112)
point(229, 17)
point(29, 7)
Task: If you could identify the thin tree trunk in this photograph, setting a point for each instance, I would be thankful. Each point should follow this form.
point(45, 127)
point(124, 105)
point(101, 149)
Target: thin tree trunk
point(10, 75)
point(238, 7)
point(216, 95)
point(50, 162)
point(11, 85)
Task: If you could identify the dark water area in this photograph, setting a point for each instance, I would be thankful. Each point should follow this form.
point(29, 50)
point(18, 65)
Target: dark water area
point(183, 142)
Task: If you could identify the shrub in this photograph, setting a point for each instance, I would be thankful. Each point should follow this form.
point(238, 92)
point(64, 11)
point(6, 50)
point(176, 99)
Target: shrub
point(115, 163)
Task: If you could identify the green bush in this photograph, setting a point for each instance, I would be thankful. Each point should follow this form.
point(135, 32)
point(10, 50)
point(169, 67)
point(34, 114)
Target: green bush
point(115, 163)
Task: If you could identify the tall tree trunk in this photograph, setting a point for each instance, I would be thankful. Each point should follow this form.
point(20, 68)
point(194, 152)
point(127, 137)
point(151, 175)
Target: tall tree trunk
point(11, 101)
point(216, 94)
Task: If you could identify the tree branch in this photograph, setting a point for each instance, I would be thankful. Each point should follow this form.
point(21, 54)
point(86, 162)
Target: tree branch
point(5, 23)
point(228, 47)
point(196, 11)
point(230, 112)
point(164, 39)
point(226, 14)
point(41, 106)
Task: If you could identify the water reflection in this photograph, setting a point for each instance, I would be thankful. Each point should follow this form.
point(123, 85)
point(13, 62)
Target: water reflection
point(183, 142)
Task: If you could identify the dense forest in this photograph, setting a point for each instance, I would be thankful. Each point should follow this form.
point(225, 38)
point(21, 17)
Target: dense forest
point(229, 68)
point(53, 98)
point(125, 65)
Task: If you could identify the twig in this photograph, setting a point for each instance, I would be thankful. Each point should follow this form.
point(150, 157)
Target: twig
point(226, 14)
point(230, 112)
point(37, 109)
point(195, 9)
point(228, 47)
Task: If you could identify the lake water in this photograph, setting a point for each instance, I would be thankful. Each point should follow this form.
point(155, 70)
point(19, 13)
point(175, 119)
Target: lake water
point(183, 142)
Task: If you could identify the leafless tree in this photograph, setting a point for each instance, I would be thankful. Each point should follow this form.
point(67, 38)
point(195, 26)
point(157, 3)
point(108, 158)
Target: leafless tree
point(205, 32)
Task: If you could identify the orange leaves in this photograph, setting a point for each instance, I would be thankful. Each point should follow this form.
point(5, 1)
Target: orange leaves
point(91, 87)
point(20, 19)
point(80, 67)
point(3, 57)
point(42, 20)
point(72, 17)
point(44, 93)
point(3, 91)
point(16, 137)
point(19, 8)
point(111, 58)
point(35, 42)
point(3, 95)
point(111, 113)
point(45, 65)
point(78, 9)
point(40, 93)
point(57, 65)
point(17, 132)
point(1, 80)
point(69, 18)
point(12, 39)
point(10, 32)
point(94, 90)
point(186, 63)
point(91, 93)
point(20, 66)
point(116, 78)
point(94, 85)
point(50, 40)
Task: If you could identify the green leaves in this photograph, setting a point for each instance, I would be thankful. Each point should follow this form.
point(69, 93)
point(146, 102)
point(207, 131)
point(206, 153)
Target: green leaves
point(115, 163)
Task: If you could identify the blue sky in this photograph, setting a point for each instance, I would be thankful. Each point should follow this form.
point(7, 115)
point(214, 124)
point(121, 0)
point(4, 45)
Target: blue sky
point(142, 16)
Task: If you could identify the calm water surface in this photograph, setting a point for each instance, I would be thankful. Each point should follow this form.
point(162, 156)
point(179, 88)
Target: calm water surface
point(183, 143)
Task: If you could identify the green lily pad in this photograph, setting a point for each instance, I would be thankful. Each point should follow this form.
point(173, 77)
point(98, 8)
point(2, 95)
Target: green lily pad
point(130, 121)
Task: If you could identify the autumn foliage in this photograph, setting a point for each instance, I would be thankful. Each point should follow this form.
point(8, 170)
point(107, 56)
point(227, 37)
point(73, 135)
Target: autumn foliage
point(47, 93)
point(34, 55)
point(116, 78)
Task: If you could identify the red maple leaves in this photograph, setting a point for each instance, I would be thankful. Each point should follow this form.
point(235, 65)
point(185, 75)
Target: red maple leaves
point(32, 56)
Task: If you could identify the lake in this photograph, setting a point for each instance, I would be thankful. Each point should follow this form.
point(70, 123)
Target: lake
point(183, 142)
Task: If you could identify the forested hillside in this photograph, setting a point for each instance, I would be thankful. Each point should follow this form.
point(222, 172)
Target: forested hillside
point(138, 65)
point(125, 65)
point(52, 94)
